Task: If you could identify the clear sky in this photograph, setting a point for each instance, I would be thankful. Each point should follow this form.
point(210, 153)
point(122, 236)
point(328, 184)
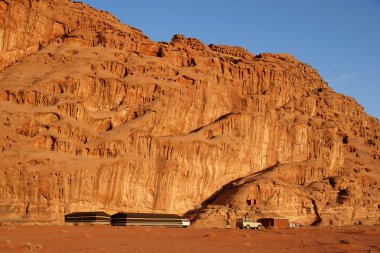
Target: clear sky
point(339, 38)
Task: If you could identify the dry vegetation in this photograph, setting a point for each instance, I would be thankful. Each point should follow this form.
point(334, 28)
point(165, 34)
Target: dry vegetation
point(6, 243)
point(32, 247)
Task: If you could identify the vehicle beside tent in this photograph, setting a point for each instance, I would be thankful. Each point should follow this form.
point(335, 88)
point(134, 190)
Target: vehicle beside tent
point(248, 223)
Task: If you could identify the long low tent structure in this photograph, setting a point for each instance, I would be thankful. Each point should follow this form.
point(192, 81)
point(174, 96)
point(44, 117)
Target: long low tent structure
point(148, 219)
point(88, 217)
point(275, 222)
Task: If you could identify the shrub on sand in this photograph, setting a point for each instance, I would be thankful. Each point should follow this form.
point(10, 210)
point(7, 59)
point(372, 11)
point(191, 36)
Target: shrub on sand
point(32, 247)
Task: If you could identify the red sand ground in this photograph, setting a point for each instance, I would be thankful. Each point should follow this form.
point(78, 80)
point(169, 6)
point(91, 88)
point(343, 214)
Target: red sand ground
point(34, 238)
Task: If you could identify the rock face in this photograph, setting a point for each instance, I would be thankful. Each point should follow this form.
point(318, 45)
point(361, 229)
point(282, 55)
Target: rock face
point(96, 116)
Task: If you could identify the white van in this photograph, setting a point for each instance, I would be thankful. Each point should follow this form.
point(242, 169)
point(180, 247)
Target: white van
point(248, 224)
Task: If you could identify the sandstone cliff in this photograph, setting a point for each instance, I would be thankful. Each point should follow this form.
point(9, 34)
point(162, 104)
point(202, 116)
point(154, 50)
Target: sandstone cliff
point(96, 116)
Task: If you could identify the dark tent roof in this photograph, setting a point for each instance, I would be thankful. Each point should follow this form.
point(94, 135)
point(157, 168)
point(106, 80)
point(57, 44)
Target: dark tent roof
point(145, 215)
point(86, 214)
point(88, 217)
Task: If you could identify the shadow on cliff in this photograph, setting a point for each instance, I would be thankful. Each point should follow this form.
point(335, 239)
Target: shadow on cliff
point(231, 185)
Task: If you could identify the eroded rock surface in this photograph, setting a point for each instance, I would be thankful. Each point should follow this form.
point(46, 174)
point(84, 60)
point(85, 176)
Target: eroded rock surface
point(96, 116)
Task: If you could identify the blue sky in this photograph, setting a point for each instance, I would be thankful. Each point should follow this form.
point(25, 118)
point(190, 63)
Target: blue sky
point(339, 38)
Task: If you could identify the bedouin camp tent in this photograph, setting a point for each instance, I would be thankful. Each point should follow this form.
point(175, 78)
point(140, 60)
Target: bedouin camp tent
point(88, 217)
point(146, 219)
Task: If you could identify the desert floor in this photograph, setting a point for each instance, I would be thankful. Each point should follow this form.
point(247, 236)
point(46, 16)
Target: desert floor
point(97, 238)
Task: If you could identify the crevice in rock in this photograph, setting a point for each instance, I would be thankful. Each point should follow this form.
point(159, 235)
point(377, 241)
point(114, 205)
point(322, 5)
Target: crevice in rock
point(223, 117)
point(318, 219)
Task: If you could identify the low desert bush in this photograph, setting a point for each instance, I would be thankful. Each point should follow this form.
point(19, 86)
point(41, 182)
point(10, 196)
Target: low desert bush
point(32, 247)
point(346, 241)
point(7, 226)
point(6, 243)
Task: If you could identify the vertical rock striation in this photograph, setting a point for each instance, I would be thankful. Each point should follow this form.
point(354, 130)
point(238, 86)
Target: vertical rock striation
point(96, 116)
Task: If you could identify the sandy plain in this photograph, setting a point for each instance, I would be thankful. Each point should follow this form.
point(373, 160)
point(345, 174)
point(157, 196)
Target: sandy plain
point(98, 238)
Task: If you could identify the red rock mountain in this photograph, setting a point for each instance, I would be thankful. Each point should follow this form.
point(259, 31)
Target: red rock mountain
point(96, 116)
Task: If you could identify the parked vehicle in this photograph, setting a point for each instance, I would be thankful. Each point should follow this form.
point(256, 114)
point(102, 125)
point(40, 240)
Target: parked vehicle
point(248, 224)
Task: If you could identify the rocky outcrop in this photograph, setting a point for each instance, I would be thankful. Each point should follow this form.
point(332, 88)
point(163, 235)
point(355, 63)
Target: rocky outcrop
point(235, 51)
point(29, 25)
point(96, 116)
